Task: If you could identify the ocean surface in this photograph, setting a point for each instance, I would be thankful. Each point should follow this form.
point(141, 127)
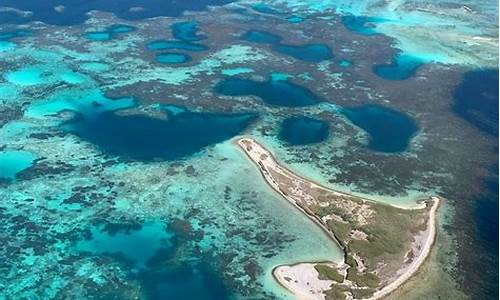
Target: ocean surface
point(119, 175)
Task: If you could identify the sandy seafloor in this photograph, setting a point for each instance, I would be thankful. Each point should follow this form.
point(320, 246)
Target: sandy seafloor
point(82, 219)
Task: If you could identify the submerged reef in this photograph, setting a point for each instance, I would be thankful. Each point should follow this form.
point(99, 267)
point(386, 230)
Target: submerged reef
point(119, 175)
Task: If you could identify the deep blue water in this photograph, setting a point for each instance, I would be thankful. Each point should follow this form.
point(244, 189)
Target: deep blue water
point(303, 130)
point(261, 37)
point(486, 219)
point(486, 214)
point(152, 265)
point(187, 31)
point(172, 45)
point(307, 52)
point(476, 100)
point(144, 138)
point(402, 67)
point(364, 25)
point(274, 92)
point(389, 130)
point(186, 282)
point(74, 11)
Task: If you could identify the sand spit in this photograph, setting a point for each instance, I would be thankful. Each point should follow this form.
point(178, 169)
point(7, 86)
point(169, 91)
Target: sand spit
point(302, 279)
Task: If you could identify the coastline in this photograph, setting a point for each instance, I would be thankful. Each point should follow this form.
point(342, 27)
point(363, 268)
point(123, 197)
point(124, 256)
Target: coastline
point(430, 238)
point(292, 277)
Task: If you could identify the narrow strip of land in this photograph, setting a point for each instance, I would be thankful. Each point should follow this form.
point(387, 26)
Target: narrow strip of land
point(303, 279)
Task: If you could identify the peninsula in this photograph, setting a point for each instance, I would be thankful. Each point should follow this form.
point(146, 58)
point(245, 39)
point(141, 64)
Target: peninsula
point(383, 245)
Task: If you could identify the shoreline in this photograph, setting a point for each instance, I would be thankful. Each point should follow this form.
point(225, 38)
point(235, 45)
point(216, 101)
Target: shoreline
point(430, 237)
point(287, 275)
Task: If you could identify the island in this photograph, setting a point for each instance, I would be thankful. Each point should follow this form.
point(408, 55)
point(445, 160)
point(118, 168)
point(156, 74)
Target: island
point(383, 245)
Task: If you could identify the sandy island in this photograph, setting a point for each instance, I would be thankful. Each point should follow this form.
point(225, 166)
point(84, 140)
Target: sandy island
point(302, 279)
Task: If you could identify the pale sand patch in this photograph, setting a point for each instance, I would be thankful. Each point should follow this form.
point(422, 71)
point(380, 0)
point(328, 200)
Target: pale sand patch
point(302, 280)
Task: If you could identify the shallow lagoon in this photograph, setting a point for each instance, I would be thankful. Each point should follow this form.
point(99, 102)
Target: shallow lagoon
point(13, 161)
point(25, 77)
point(109, 33)
point(179, 45)
point(172, 58)
point(127, 242)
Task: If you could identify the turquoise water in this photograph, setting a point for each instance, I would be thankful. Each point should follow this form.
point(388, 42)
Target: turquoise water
point(236, 71)
point(265, 8)
point(12, 162)
point(172, 45)
point(274, 92)
point(6, 46)
point(147, 197)
point(128, 242)
point(143, 246)
point(172, 58)
point(303, 130)
point(25, 77)
point(8, 35)
point(88, 103)
point(187, 31)
point(345, 63)
point(389, 130)
point(295, 19)
point(402, 67)
point(95, 67)
point(98, 36)
point(109, 33)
